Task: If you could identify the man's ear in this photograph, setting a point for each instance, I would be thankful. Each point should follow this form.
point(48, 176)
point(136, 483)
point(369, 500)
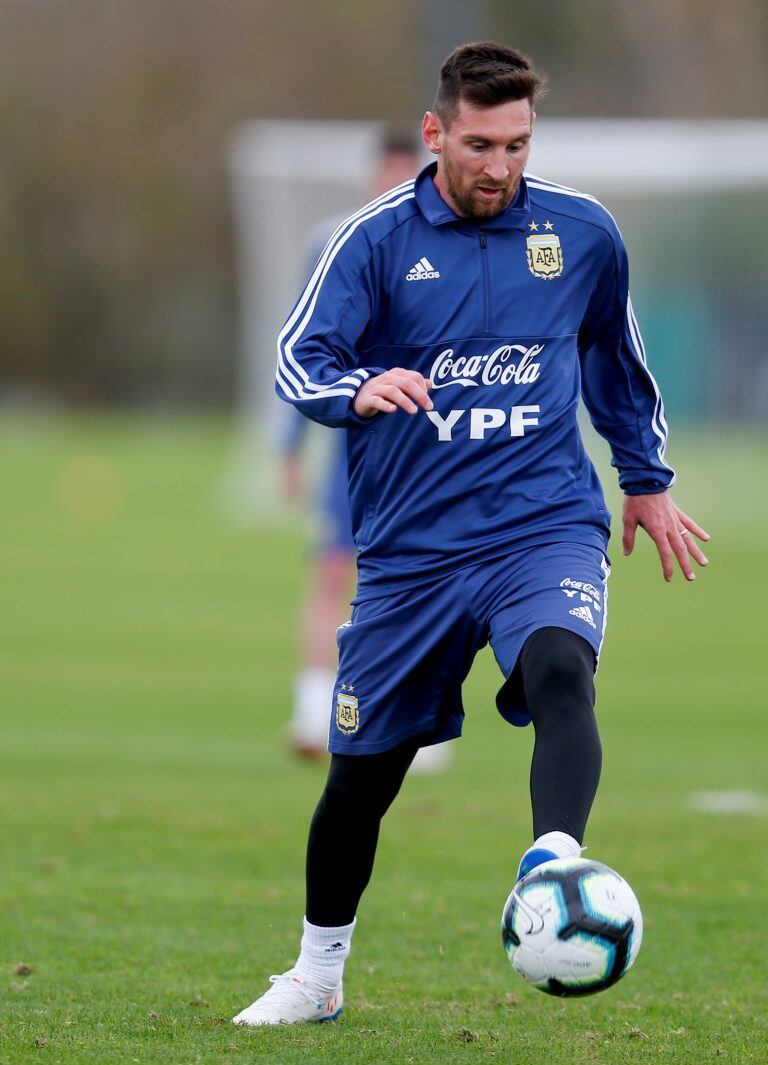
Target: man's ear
point(431, 132)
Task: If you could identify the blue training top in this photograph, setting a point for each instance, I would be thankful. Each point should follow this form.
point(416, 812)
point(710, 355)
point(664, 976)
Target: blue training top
point(512, 320)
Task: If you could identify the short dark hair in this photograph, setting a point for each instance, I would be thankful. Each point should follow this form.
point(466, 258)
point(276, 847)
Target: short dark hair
point(485, 74)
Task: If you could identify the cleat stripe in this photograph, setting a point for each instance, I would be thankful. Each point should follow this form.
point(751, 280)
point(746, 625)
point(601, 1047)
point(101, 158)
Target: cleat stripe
point(339, 1011)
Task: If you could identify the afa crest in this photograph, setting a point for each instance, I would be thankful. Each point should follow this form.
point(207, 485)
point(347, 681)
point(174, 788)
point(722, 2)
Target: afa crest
point(347, 713)
point(544, 255)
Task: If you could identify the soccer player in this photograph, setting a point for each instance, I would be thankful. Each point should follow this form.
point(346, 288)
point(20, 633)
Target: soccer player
point(450, 327)
point(333, 565)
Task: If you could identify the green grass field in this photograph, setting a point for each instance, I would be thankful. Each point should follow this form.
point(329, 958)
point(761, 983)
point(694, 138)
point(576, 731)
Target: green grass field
point(153, 827)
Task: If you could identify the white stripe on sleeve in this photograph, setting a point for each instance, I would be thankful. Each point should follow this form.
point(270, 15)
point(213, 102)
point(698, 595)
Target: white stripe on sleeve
point(293, 379)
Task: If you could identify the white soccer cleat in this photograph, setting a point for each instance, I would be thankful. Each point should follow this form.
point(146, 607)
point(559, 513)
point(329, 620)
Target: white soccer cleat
point(291, 1001)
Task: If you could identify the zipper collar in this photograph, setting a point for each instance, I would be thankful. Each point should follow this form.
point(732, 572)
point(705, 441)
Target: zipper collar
point(438, 213)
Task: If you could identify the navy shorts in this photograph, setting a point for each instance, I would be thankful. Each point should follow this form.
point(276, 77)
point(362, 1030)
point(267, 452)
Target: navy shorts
point(404, 655)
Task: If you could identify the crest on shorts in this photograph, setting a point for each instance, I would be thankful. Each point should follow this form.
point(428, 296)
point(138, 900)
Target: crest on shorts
point(347, 713)
point(544, 254)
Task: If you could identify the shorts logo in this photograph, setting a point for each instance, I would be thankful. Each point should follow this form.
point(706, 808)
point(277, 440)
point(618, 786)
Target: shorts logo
point(583, 592)
point(585, 614)
point(347, 713)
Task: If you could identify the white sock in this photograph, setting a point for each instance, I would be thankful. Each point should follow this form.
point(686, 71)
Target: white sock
point(560, 843)
point(323, 953)
point(313, 694)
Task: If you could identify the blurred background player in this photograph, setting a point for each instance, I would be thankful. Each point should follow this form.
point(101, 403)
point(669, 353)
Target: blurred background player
point(332, 572)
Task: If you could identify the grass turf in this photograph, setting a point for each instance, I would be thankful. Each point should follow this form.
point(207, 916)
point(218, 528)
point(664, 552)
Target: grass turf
point(153, 828)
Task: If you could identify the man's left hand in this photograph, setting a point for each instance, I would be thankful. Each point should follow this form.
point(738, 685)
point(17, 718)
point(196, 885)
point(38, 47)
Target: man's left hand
point(670, 529)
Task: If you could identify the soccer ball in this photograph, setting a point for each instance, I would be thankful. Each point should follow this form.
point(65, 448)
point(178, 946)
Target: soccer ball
point(572, 927)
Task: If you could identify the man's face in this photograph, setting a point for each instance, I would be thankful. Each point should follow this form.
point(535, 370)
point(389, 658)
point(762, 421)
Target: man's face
point(480, 156)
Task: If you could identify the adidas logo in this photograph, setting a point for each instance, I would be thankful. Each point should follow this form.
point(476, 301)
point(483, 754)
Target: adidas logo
point(422, 271)
point(585, 614)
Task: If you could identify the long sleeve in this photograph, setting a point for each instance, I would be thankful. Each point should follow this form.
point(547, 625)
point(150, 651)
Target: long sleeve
point(317, 368)
point(619, 391)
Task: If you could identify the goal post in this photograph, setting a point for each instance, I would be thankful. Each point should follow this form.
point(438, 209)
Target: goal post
point(286, 178)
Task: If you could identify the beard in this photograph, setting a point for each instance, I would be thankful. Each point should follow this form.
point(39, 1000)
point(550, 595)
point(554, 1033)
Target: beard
point(468, 200)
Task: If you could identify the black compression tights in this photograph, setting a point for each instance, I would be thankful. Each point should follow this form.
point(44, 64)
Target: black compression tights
point(555, 669)
point(345, 829)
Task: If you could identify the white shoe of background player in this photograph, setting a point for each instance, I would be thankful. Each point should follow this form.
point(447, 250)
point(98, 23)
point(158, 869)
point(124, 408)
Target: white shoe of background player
point(313, 694)
point(432, 759)
point(291, 1001)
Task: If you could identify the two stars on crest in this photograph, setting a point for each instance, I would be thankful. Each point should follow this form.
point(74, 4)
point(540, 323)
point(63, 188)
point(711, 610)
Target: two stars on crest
point(533, 226)
point(347, 687)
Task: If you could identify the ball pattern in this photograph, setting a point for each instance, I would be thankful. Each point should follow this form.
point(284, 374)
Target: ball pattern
point(572, 927)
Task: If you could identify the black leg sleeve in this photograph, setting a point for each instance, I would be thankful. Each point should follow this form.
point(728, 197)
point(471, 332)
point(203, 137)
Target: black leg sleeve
point(557, 672)
point(345, 830)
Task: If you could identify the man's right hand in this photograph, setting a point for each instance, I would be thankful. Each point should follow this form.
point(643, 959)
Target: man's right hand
point(406, 389)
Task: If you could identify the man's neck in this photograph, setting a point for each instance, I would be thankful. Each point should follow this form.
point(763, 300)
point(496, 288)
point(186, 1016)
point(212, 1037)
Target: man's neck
point(442, 187)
